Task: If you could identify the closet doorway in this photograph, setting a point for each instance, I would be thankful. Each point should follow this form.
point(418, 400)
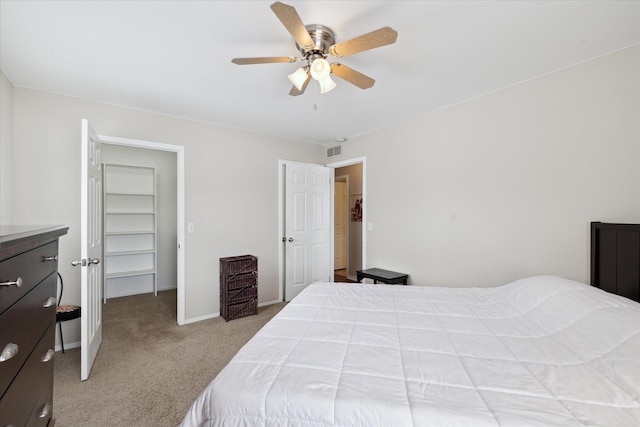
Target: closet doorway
point(178, 153)
point(140, 221)
point(349, 216)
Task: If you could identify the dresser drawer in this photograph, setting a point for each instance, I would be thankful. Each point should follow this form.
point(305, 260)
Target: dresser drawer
point(23, 324)
point(31, 267)
point(32, 390)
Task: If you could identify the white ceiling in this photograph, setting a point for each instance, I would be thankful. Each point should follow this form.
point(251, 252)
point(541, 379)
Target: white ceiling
point(174, 57)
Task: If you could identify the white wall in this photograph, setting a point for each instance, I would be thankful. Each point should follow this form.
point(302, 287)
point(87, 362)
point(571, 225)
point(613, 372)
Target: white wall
point(231, 186)
point(6, 149)
point(505, 185)
point(164, 163)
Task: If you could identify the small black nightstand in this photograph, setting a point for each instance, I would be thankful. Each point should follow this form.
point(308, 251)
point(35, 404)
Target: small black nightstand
point(384, 276)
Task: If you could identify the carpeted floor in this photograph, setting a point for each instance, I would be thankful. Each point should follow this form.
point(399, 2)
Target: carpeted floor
point(148, 370)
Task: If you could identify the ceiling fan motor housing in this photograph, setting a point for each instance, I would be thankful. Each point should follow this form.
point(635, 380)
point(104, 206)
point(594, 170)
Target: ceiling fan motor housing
point(323, 38)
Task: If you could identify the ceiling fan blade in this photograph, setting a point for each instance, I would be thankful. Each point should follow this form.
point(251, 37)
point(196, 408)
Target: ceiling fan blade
point(292, 22)
point(294, 90)
point(266, 60)
point(352, 76)
point(380, 37)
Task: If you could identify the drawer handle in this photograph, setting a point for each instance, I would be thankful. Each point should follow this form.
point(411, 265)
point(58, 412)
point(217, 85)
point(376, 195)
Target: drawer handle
point(9, 351)
point(16, 283)
point(51, 301)
point(46, 409)
point(50, 258)
point(48, 356)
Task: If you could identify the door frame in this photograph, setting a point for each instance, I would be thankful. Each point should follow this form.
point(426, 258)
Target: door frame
point(351, 162)
point(281, 216)
point(180, 189)
point(345, 179)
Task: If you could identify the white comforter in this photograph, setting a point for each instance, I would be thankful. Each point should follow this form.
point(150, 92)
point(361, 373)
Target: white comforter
point(538, 351)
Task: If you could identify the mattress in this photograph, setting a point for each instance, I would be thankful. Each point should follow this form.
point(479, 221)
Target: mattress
point(539, 351)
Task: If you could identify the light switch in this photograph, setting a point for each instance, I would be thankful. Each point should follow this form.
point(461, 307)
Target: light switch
point(369, 226)
point(191, 227)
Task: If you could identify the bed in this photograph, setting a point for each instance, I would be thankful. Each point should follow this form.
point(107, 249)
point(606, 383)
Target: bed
point(542, 350)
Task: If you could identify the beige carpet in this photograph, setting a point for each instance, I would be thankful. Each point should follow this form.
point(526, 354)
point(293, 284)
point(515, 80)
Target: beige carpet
point(149, 370)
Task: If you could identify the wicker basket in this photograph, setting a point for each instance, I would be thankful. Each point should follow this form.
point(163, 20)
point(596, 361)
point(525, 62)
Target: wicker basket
point(239, 295)
point(232, 266)
point(238, 286)
point(235, 311)
point(240, 281)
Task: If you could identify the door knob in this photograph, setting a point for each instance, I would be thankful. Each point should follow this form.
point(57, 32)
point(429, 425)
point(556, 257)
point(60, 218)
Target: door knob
point(84, 262)
point(291, 239)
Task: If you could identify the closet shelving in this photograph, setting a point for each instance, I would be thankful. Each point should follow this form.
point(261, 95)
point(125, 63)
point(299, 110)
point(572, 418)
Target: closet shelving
point(130, 230)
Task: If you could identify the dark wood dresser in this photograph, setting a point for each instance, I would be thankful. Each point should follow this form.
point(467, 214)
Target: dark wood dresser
point(28, 282)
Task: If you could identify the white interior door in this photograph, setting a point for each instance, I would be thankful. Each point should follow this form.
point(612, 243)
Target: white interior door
point(307, 226)
point(340, 225)
point(90, 249)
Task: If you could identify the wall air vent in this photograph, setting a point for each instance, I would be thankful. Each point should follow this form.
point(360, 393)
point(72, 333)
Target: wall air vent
point(334, 151)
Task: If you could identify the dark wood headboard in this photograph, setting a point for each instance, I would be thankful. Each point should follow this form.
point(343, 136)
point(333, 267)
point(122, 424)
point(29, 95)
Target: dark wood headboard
point(615, 258)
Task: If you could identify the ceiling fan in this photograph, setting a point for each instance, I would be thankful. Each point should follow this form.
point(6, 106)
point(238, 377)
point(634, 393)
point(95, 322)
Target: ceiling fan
point(316, 43)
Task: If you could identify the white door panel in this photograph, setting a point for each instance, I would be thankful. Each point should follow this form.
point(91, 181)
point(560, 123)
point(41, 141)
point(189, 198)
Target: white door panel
point(317, 206)
point(317, 260)
point(299, 212)
point(298, 264)
point(307, 226)
point(90, 249)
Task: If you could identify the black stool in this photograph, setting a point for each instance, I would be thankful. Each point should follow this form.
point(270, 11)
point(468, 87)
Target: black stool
point(65, 312)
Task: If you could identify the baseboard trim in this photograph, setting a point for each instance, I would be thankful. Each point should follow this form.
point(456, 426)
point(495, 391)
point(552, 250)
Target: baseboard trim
point(211, 316)
point(68, 346)
point(275, 301)
point(200, 318)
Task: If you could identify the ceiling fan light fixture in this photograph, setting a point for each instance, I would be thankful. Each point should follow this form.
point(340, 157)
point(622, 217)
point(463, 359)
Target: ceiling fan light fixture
point(298, 77)
point(327, 84)
point(320, 69)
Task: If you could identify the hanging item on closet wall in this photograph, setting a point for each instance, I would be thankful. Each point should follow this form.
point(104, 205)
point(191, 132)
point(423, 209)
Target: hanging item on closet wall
point(356, 203)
